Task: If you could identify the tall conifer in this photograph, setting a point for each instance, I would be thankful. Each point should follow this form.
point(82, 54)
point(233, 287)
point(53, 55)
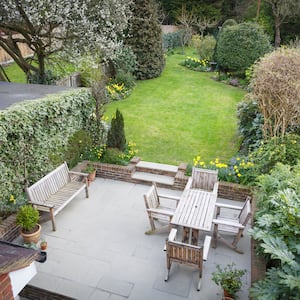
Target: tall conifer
point(145, 38)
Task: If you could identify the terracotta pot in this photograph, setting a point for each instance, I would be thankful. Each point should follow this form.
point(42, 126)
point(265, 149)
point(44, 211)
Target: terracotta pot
point(227, 295)
point(32, 237)
point(43, 245)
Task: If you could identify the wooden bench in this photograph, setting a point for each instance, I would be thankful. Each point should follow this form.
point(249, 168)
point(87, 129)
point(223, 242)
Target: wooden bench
point(55, 190)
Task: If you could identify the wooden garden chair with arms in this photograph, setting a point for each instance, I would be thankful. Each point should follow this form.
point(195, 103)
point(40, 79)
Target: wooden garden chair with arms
point(234, 226)
point(155, 208)
point(186, 254)
point(203, 179)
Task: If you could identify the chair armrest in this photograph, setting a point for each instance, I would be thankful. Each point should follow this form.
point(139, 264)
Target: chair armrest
point(189, 184)
point(228, 223)
point(230, 206)
point(206, 246)
point(41, 204)
point(176, 198)
point(172, 234)
point(216, 187)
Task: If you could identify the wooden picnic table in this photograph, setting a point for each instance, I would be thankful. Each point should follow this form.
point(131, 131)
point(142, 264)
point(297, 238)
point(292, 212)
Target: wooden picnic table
point(194, 213)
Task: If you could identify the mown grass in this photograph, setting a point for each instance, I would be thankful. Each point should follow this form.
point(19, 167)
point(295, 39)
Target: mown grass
point(14, 73)
point(180, 115)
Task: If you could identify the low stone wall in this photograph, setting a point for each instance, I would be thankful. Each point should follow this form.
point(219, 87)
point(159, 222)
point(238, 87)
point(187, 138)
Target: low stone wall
point(9, 230)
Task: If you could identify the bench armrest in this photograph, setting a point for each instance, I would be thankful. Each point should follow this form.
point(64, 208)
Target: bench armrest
point(206, 246)
point(41, 204)
point(215, 188)
point(79, 173)
point(189, 184)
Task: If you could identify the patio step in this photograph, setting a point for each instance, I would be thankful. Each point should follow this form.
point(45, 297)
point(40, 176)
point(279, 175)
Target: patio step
point(148, 172)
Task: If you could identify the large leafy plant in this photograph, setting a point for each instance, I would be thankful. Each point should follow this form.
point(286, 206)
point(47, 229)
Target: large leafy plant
point(277, 229)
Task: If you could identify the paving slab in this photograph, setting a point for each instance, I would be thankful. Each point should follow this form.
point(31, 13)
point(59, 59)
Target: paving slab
point(100, 251)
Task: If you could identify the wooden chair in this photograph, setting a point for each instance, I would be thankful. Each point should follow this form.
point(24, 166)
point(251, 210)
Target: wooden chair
point(186, 254)
point(203, 179)
point(156, 210)
point(234, 226)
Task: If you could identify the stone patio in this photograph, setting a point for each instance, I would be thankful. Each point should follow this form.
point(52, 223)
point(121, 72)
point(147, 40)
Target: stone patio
point(100, 251)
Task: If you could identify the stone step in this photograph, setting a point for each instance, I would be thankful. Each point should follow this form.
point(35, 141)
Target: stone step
point(156, 168)
point(150, 177)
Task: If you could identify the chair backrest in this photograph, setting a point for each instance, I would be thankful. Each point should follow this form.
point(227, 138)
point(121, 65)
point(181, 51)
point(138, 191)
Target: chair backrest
point(151, 198)
point(184, 253)
point(204, 178)
point(245, 213)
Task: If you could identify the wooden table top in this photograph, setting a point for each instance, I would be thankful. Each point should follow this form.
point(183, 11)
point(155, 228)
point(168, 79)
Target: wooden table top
point(195, 209)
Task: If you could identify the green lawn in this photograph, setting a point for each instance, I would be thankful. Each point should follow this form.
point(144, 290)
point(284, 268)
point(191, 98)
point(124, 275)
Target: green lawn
point(180, 115)
point(15, 74)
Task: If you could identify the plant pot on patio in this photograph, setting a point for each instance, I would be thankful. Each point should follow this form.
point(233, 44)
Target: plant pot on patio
point(27, 218)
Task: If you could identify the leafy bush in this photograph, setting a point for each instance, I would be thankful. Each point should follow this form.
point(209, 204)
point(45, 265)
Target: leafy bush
point(78, 147)
point(27, 217)
point(205, 46)
point(172, 40)
point(113, 156)
point(239, 46)
point(277, 230)
point(283, 149)
point(125, 61)
point(48, 78)
point(250, 122)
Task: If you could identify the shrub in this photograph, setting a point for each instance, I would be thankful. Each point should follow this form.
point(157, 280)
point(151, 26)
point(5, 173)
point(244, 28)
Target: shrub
point(125, 61)
point(172, 40)
point(145, 39)
point(283, 149)
point(275, 85)
point(250, 122)
point(205, 46)
point(78, 147)
point(116, 133)
point(239, 46)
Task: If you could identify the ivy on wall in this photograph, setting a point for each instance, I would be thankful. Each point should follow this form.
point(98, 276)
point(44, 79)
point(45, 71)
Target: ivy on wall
point(33, 136)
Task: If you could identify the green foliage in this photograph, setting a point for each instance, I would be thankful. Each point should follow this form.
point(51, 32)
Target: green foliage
point(47, 78)
point(229, 278)
point(277, 230)
point(145, 39)
point(27, 217)
point(116, 133)
point(125, 60)
point(277, 149)
point(78, 147)
point(239, 46)
point(205, 46)
point(229, 22)
point(113, 156)
point(33, 137)
point(250, 122)
point(172, 40)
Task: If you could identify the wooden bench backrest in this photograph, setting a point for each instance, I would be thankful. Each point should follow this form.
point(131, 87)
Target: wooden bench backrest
point(151, 198)
point(204, 179)
point(49, 184)
point(184, 253)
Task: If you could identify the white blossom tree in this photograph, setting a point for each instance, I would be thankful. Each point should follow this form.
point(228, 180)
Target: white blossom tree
point(51, 26)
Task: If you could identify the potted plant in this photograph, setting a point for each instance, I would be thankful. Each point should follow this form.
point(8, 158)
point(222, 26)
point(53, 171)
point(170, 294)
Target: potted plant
point(28, 217)
point(91, 170)
point(43, 245)
point(229, 278)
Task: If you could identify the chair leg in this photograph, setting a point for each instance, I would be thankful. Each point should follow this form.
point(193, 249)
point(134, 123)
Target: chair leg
point(215, 236)
point(168, 269)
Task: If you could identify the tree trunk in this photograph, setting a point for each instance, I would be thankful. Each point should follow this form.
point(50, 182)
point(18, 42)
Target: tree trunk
point(277, 32)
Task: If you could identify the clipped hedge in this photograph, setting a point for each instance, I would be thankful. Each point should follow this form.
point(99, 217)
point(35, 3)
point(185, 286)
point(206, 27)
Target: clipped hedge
point(33, 136)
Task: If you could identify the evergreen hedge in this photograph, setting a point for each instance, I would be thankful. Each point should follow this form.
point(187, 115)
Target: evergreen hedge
point(33, 136)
